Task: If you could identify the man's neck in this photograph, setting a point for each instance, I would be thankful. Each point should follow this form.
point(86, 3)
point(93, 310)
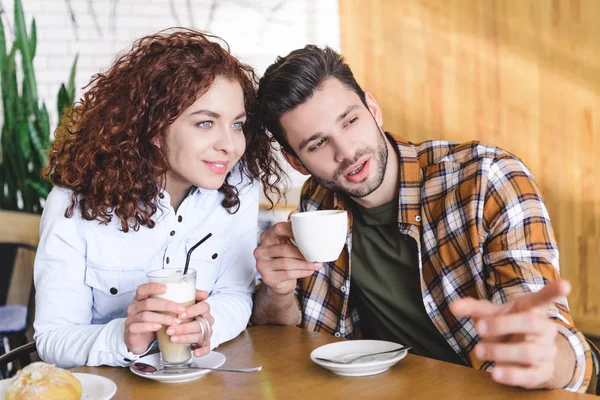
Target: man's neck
point(388, 190)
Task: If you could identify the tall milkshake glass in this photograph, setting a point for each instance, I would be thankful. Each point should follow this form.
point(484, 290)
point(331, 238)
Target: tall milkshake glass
point(180, 289)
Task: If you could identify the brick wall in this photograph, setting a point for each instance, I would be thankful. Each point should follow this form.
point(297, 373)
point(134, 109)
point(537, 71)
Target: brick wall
point(257, 31)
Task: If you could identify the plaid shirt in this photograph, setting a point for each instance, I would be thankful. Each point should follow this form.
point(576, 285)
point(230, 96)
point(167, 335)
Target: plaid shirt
point(482, 230)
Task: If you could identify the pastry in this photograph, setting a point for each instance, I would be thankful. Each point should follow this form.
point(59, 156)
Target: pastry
point(40, 380)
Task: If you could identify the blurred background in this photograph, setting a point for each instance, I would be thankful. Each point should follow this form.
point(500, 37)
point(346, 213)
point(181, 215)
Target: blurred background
point(98, 30)
point(521, 74)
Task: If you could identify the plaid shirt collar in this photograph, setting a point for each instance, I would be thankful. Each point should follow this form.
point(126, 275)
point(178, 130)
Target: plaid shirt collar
point(411, 179)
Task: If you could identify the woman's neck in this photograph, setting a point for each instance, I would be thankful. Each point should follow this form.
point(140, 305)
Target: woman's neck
point(177, 192)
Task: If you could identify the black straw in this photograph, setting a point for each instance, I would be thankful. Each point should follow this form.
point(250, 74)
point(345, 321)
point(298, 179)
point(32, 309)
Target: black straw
point(189, 253)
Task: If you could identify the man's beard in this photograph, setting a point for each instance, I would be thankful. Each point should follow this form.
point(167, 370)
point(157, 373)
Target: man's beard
point(379, 155)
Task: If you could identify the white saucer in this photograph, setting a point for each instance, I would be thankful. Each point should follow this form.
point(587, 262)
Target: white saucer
point(94, 387)
point(353, 348)
point(211, 360)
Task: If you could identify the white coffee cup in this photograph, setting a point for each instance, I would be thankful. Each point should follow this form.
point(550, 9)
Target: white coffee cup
point(320, 235)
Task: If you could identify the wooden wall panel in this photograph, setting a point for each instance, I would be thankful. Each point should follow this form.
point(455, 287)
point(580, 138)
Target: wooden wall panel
point(521, 74)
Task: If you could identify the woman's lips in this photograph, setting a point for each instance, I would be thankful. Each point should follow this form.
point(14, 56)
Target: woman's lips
point(218, 167)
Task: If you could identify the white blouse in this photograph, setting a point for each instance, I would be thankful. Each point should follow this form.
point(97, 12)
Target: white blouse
point(86, 273)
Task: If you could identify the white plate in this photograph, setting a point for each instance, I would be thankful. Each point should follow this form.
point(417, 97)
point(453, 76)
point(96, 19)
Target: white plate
point(353, 348)
point(211, 360)
point(94, 387)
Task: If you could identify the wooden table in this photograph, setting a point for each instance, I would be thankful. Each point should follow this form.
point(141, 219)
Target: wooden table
point(289, 373)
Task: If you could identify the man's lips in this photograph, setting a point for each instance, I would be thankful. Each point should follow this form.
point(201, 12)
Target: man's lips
point(355, 166)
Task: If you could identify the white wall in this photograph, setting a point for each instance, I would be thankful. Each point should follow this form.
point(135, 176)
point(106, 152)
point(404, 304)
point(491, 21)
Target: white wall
point(256, 30)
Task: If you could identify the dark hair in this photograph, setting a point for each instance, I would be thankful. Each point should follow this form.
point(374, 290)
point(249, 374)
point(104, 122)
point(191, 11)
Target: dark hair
point(291, 80)
point(105, 149)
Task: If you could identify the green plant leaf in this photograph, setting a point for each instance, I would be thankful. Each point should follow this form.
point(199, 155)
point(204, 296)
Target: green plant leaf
point(25, 101)
point(39, 187)
point(33, 38)
point(39, 160)
point(25, 130)
point(43, 125)
point(10, 199)
point(17, 167)
point(71, 84)
point(2, 185)
point(2, 46)
point(10, 94)
point(22, 41)
point(16, 154)
point(62, 101)
point(23, 140)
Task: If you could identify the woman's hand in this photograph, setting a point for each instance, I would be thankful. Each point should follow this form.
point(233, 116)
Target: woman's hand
point(146, 315)
point(191, 332)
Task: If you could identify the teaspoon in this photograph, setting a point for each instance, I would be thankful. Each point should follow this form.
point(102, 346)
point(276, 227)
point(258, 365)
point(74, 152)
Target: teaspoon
point(151, 369)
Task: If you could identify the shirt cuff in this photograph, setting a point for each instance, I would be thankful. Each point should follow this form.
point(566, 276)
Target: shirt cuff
point(123, 357)
point(583, 359)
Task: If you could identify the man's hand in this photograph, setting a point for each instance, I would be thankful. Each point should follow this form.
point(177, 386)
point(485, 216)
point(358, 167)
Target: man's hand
point(520, 337)
point(279, 262)
point(281, 265)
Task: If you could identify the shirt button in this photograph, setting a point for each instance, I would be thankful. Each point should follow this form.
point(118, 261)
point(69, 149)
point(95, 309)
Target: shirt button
point(418, 218)
point(214, 256)
point(167, 260)
point(172, 233)
point(179, 219)
point(113, 290)
point(337, 334)
point(343, 289)
point(161, 195)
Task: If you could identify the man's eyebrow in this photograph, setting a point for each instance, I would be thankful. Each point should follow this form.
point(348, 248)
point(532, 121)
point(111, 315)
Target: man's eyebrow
point(305, 142)
point(345, 113)
point(317, 135)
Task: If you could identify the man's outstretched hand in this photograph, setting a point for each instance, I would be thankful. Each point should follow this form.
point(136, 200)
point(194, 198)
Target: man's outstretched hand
point(520, 337)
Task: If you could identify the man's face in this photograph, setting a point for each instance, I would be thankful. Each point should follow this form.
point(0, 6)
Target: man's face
point(338, 140)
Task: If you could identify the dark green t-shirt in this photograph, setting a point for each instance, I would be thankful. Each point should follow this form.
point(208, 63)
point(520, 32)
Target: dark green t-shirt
point(386, 286)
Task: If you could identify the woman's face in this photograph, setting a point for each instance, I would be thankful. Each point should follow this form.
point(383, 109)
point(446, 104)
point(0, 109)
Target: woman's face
point(207, 139)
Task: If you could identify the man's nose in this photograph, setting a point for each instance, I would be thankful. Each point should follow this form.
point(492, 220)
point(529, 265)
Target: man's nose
point(344, 150)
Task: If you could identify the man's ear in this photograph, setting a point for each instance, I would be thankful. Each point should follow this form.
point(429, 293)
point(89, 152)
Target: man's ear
point(295, 162)
point(374, 108)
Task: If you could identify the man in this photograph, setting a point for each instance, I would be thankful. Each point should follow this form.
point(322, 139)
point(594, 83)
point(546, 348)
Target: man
point(450, 247)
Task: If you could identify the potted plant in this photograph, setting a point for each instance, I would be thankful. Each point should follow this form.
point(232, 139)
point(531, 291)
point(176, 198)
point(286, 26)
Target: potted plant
point(25, 131)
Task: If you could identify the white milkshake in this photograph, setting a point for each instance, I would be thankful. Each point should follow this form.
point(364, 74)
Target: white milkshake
point(180, 289)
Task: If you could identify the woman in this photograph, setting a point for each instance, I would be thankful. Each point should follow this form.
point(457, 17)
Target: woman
point(161, 151)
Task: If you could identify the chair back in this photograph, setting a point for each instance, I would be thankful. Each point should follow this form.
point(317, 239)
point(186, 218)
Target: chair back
point(22, 229)
point(27, 350)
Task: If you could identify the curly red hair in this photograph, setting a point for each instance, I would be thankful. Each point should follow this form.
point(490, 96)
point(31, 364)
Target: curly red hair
point(104, 150)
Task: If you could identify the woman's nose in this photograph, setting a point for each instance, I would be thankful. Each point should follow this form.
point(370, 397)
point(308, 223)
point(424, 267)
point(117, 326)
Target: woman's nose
point(225, 142)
